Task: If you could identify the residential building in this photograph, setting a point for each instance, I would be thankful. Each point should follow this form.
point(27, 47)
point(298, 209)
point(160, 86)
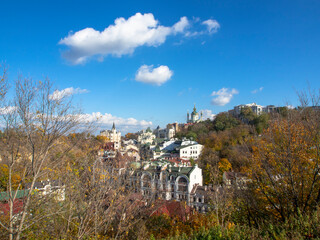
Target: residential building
point(184, 149)
point(146, 137)
point(161, 180)
point(235, 179)
point(191, 150)
point(165, 133)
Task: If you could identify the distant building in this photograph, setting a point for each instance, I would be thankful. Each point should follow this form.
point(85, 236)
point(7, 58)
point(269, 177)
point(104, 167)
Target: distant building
point(194, 117)
point(146, 136)
point(184, 149)
point(270, 109)
point(113, 136)
point(166, 133)
point(257, 109)
point(235, 179)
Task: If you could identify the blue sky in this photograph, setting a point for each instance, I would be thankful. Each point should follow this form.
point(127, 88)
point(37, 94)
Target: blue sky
point(150, 70)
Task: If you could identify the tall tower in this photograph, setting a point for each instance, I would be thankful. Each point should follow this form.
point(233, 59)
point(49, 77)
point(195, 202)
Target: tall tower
point(188, 117)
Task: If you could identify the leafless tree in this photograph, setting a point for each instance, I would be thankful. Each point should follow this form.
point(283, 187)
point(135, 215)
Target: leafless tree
point(32, 129)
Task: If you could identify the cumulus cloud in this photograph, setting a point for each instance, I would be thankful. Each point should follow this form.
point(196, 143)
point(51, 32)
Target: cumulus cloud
point(105, 121)
point(156, 76)
point(125, 35)
point(257, 90)
point(206, 113)
point(212, 25)
point(121, 38)
point(223, 96)
point(59, 94)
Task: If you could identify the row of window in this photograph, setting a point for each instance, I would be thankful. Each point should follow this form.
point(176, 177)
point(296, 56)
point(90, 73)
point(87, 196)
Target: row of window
point(191, 152)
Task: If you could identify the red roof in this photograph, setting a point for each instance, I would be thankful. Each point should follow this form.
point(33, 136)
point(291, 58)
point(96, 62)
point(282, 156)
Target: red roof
point(173, 209)
point(17, 207)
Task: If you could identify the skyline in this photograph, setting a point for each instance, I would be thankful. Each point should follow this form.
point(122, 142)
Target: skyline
point(146, 64)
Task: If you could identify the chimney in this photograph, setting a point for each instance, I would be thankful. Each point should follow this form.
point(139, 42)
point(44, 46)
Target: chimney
point(205, 187)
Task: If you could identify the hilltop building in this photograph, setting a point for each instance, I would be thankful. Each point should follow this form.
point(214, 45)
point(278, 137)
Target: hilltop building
point(256, 109)
point(194, 117)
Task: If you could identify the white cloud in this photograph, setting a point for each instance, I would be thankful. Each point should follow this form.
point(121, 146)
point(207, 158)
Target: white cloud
point(156, 76)
point(212, 25)
point(57, 95)
point(223, 96)
point(206, 113)
point(8, 110)
point(257, 90)
point(180, 26)
point(105, 121)
point(121, 38)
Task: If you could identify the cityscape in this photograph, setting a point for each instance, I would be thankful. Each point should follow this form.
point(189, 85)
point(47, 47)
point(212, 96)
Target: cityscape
point(160, 120)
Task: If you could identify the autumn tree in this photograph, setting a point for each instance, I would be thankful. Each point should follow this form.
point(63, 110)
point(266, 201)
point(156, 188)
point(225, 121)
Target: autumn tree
point(33, 127)
point(284, 164)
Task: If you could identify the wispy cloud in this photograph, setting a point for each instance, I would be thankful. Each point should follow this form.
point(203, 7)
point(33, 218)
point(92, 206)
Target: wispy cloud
point(59, 94)
point(223, 96)
point(257, 90)
point(156, 76)
point(212, 25)
point(105, 121)
point(207, 113)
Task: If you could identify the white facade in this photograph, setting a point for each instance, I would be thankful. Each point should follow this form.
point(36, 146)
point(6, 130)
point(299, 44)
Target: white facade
point(146, 137)
point(190, 151)
point(185, 149)
point(257, 109)
point(167, 182)
point(113, 136)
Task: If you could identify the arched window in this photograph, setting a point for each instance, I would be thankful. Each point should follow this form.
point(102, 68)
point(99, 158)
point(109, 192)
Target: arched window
point(182, 184)
point(146, 181)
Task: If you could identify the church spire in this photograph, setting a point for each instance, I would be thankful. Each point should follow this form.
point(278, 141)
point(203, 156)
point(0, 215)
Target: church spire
point(194, 109)
point(113, 126)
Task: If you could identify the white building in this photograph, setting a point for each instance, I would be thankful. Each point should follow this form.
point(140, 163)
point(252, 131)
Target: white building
point(257, 109)
point(184, 149)
point(146, 136)
point(161, 180)
point(113, 136)
point(188, 151)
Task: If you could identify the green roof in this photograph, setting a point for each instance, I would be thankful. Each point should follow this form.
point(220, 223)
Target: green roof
point(4, 196)
point(183, 171)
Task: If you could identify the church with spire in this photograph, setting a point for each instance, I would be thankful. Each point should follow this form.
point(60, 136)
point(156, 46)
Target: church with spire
point(194, 116)
point(113, 136)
